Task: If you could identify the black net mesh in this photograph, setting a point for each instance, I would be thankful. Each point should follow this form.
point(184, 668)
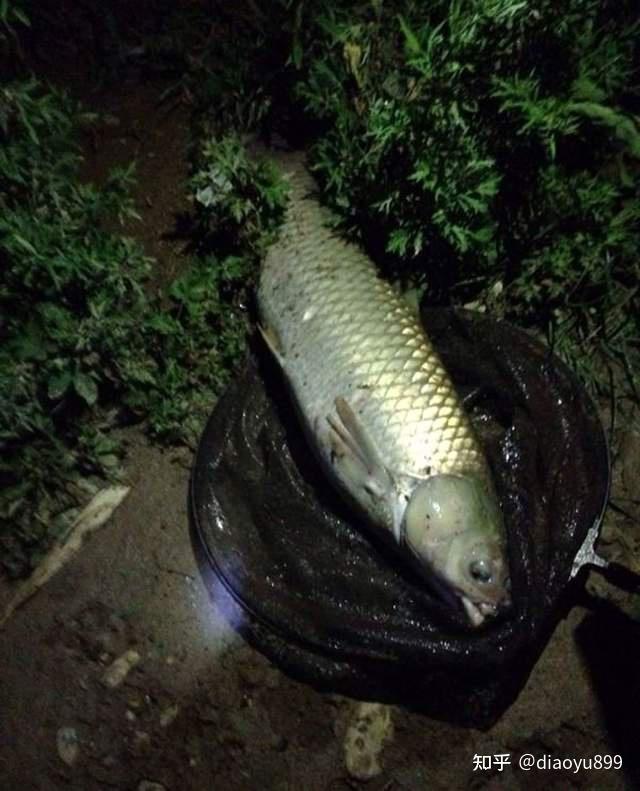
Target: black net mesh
point(336, 606)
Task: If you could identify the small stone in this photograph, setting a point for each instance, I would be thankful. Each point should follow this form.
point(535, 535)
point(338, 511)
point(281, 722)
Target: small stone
point(168, 715)
point(68, 745)
point(130, 715)
point(149, 785)
point(370, 727)
point(118, 670)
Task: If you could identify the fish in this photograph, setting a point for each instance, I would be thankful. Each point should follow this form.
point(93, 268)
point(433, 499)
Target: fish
point(377, 405)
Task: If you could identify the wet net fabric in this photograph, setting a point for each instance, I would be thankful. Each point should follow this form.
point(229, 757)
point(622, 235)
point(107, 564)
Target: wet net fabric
point(332, 602)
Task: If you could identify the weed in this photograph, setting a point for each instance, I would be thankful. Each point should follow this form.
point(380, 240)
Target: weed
point(490, 143)
point(83, 347)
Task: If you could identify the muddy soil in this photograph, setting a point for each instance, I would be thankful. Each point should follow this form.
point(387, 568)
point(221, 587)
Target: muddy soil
point(195, 706)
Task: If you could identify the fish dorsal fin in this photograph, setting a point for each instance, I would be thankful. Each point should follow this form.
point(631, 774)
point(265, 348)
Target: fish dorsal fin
point(273, 343)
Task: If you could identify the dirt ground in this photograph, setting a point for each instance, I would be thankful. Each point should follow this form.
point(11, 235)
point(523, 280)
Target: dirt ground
point(199, 708)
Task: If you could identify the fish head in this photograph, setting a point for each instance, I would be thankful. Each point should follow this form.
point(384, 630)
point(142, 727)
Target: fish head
point(454, 527)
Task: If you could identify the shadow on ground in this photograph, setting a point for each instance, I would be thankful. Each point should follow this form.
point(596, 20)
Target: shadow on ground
point(609, 642)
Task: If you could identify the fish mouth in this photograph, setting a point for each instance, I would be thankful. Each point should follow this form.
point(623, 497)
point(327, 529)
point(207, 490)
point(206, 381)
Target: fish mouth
point(478, 611)
point(450, 594)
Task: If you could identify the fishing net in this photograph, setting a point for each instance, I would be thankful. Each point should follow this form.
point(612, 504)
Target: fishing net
point(332, 603)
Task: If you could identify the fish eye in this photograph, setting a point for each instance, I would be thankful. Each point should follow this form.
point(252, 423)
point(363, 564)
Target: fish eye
point(480, 571)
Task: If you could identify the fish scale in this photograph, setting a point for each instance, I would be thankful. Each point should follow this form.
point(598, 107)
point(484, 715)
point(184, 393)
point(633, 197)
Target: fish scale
point(347, 333)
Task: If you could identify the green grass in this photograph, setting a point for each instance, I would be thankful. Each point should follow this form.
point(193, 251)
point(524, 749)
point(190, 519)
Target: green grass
point(482, 150)
point(83, 347)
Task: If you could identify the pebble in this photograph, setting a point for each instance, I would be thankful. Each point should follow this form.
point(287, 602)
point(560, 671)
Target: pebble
point(168, 715)
point(68, 745)
point(149, 785)
point(370, 727)
point(119, 669)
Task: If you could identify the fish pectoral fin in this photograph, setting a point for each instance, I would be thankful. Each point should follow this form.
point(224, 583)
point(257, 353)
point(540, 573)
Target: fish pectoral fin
point(356, 454)
point(359, 436)
point(271, 340)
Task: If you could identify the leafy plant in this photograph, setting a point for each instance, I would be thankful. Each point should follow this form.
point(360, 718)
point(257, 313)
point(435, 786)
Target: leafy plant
point(488, 150)
point(71, 297)
point(83, 347)
point(198, 338)
point(12, 18)
point(483, 150)
point(237, 198)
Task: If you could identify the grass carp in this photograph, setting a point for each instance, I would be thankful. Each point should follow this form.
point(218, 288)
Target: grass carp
point(378, 405)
